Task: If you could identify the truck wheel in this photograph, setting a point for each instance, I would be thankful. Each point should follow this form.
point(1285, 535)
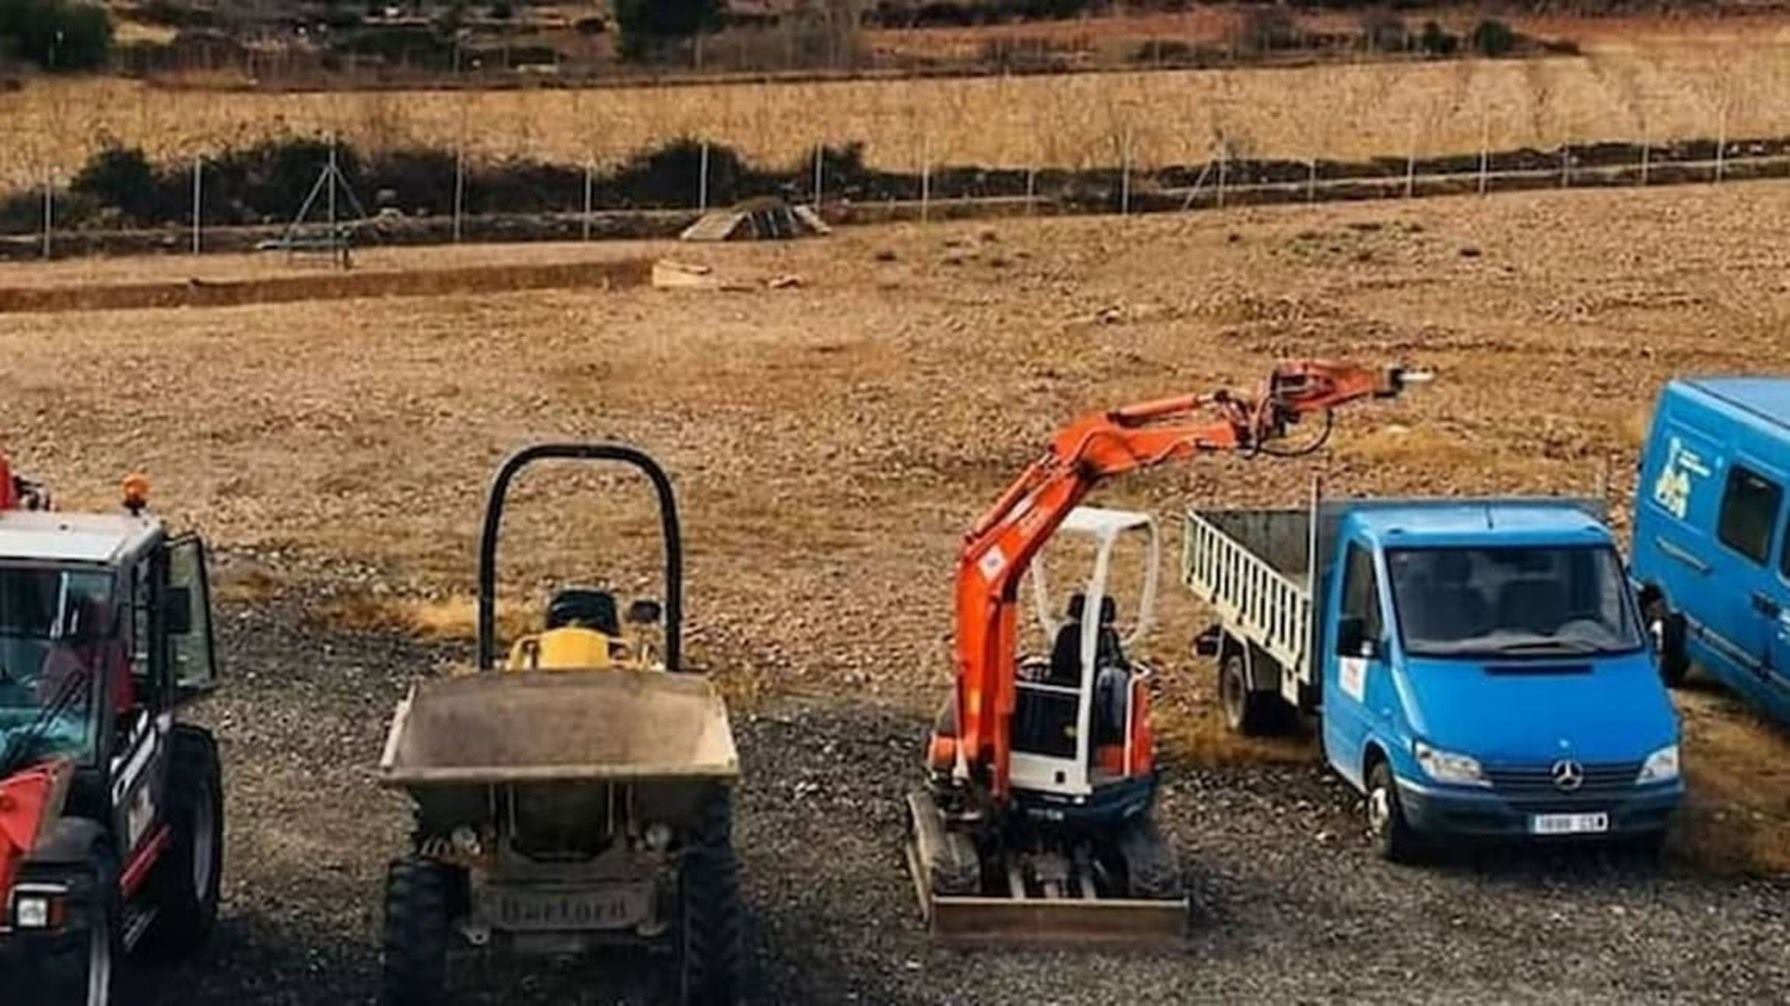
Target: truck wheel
point(1246, 712)
point(1393, 837)
point(712, 952)
point(1667, 628)
point(89, 973)
point(416, 932)
point(185, 891)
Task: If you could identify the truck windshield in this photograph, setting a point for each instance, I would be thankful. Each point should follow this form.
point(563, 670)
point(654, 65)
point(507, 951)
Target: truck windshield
point(1503, 602)
point(57, 629)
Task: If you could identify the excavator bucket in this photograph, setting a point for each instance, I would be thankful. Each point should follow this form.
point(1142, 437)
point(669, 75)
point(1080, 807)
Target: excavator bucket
point(1081, 895)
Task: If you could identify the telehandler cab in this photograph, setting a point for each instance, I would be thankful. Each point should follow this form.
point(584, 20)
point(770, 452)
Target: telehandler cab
point(111, 811)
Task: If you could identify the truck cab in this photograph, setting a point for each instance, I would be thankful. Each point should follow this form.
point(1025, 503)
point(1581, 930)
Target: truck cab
point(110, 808)
point(1478, 667)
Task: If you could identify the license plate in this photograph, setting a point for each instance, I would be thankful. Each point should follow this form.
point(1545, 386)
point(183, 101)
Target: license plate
point(539, 911)
point(1569, 824)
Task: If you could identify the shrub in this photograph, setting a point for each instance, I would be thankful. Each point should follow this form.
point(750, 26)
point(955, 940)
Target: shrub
point(1434, 40)
point(57, 35)
point(1493, 38)
point(647, 25)
point(1264, 29)
point(123, 178)
point(1385, 32)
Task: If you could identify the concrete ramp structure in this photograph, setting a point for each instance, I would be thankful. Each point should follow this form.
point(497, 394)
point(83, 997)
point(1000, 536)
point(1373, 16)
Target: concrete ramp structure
point(757, 220)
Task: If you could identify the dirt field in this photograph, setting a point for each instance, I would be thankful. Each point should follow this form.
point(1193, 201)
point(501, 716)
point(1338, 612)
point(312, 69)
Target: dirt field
point(1660, 83)
point(830, 442)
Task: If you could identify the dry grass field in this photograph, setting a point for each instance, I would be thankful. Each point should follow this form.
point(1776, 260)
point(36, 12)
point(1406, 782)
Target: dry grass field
point(831, 441)
point(1659, 81)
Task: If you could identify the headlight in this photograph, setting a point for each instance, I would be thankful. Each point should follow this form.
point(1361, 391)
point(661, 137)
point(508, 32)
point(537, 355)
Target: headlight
point(658, 837)
point(31, 912)
point(1660, 766)
point(1448, 767)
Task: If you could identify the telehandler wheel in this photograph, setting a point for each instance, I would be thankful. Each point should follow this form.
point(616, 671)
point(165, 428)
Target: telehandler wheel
point(1246, 712)
point(417, 895)
point(88, 974)
point(1392, 835)
point(1667, 628)
point(713, 956)
point(186, 881)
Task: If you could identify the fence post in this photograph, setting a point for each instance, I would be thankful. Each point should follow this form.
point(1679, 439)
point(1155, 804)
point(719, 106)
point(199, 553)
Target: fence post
point(334, 177)
point(1125, 177)
point(198, 194)
point(1485, 148)
point(702, 182)
point(459, 187)
point(925, 178)
point(1721, 142)
point(1411, 163)
point(1031, 189)
point(820, 150)
point(590, 170)
point(1224, 163)
point(1311, 180)
point(49, 209)
point(1565, 163)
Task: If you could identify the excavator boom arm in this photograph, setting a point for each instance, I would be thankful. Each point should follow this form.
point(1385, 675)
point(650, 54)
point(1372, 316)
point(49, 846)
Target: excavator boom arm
point(1000, 546)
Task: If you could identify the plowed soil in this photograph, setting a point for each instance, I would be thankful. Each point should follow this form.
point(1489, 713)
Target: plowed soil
point(830, 441)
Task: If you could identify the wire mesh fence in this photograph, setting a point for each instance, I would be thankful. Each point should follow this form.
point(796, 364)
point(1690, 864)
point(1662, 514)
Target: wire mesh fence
point(323, 193)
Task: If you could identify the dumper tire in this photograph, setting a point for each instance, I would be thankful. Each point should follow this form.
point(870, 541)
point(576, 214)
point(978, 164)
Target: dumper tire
point(186, 881)
point(418, 893)
point(1247, 712)
point(1393, 837)
point(712, 953)
point(1667, 628)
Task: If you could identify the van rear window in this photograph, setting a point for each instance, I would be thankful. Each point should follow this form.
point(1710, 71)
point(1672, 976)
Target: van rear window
point(1749, 512)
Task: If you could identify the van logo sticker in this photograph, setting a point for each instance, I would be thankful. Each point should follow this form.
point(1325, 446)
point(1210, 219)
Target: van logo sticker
point(1672, 490)
point(1351, 673)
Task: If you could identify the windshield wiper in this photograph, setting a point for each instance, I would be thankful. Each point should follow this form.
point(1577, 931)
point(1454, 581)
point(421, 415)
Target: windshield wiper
point(19, 745)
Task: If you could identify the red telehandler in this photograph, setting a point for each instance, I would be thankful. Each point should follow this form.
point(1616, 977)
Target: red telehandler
point(1035, 820)
point(111, 808)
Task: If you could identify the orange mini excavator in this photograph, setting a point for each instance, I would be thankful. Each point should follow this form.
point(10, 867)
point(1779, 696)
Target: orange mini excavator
point(1035, 820)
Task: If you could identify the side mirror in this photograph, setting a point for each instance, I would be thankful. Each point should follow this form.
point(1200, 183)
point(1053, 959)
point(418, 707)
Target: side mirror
point(177, 611)
point(1351, 638)
point(645, 611)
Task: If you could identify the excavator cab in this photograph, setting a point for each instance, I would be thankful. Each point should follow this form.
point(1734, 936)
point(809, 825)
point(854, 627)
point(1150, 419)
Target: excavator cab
point(1081, 739)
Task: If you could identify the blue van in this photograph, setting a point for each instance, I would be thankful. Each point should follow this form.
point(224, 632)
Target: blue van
point(1711, 560)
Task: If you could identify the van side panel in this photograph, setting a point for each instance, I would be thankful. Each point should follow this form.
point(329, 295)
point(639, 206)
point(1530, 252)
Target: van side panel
point(1695, 442)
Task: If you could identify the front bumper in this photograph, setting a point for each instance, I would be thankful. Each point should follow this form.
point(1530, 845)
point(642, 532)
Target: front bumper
point(1440, 810)
point(29, 960)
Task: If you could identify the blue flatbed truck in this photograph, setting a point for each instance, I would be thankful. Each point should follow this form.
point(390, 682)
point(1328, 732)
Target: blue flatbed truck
point(1711, 556)
point(1478, 667)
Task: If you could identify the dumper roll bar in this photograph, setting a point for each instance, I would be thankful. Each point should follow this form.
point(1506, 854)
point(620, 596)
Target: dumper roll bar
point(494, 504)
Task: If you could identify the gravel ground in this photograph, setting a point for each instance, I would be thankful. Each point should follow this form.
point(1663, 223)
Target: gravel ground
point(1291, 905)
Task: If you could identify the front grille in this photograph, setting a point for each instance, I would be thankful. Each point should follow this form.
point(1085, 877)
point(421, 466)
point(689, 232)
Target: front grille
point(1535, 782)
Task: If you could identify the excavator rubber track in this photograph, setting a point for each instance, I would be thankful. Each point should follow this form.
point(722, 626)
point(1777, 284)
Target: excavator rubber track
point(962, 905)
